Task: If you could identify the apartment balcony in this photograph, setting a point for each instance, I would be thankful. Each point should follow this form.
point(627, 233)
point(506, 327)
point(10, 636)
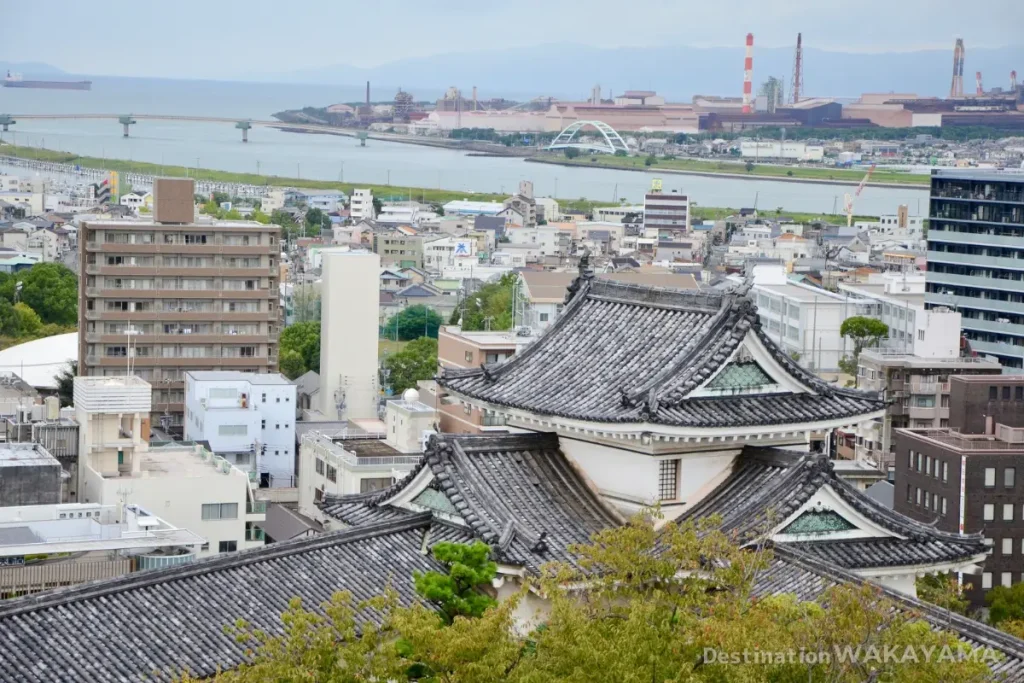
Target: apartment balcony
point(846, 452)
point(972, 238)
point(997, 348)
point(928, 387)
point(995, 197)
point(179, 271)
point(134, 293)
point(161, 338)
point(254, 534)
point(1001, 284)
point(976, 260)
point(211, 362)
point(974, 302)
point(920, 413)
point(184, 249)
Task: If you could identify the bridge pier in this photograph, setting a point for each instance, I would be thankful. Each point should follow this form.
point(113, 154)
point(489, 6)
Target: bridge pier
point(126, 121)
point(244, 126)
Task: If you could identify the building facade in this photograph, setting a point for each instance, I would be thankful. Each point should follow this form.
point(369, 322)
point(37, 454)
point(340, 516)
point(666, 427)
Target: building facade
point(361, 206)
point(666, 210)
point(246, 418)
point(975, 247)
point(168, 296)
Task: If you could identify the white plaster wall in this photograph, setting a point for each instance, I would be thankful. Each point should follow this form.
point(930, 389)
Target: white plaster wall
point(615, 471)
point(903, 584)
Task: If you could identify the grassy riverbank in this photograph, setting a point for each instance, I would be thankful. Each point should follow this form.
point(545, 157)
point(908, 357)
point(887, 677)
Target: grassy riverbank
point(383, 191)
point(738, 168)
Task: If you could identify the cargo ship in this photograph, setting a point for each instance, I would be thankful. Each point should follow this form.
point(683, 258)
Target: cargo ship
point(16, 81)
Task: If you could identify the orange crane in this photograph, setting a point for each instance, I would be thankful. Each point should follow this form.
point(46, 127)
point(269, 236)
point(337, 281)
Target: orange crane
point(848, 204)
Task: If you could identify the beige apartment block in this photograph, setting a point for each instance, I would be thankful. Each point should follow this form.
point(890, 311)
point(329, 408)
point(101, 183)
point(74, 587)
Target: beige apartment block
point(158, 299)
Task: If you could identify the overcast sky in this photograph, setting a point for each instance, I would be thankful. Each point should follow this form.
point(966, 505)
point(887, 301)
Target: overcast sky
point(224, 39)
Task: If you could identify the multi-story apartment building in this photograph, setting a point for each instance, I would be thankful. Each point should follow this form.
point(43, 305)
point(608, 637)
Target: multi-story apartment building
point(172, 294)
point(247, 418)
point(361, 207)
point(399, 247)
point(976, 257)
point(965, 479)
point(918, 391)
point(666, 211)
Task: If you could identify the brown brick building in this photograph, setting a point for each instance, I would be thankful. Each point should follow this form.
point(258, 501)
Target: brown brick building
point(174, 294)
point(968, 478)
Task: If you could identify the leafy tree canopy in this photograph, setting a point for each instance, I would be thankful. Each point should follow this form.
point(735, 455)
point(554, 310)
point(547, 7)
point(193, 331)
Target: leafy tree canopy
point(49, 289)
point(489, 307)
point(456, 592)
point(66, 383)
point(417, 361)
point(301, 340)
point(1005, 604)
point(413, 322)
point(863, 331)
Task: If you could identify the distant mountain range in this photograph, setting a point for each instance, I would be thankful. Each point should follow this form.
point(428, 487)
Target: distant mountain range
point(566, 70)
point(29, 69)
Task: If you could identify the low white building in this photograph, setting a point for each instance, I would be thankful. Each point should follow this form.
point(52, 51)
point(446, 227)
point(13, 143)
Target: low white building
point(272, 201)
point(353, 461)
point(247, 418)
point(793, 151)
point(328, 202)
point(190, 487)
point(549, 241)
point(465, 207)
point(547, 209)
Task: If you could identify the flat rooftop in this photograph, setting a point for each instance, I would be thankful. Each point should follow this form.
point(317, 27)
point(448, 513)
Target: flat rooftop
point(878, 292)
point(25, 455)
point(178, 460)
point(1006, 440)
point(236, 376)
point(883, 357)
point(803, 294)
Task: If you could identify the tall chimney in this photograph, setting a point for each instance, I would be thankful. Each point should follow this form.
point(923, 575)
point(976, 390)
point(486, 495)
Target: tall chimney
point(474, 98)
point(748, 71)
point(367, 93)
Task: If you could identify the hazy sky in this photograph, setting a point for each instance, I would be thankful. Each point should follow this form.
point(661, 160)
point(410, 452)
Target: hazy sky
point(226, 39)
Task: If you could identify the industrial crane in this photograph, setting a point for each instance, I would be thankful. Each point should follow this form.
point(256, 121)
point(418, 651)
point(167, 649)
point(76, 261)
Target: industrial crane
point(848, 203)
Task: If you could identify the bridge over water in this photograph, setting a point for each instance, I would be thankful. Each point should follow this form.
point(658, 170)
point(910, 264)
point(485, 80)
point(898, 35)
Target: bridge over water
point(128, 120)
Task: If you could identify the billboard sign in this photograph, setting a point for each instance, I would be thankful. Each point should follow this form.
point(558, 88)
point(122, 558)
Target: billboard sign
point(463, 248)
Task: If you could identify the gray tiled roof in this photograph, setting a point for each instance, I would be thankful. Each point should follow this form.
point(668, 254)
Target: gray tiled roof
point(157, 623)
point(627, 353)
point(519, 493)
point(767, 485)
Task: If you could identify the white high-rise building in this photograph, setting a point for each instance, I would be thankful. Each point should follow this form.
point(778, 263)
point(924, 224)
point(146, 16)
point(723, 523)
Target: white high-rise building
point(361, 207)
point(349, 319)
point(246, 417)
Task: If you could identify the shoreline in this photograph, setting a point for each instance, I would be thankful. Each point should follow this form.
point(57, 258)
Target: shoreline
point(722, 174)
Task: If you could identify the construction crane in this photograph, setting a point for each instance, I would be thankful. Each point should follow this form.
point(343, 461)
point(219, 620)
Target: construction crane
point(848, 199)
point(981, 89)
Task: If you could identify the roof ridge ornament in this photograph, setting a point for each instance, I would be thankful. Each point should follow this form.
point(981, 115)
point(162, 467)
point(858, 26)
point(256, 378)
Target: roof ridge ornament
point(585, 276)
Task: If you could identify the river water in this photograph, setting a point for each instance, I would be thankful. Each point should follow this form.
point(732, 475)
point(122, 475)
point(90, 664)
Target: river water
point(327, 157)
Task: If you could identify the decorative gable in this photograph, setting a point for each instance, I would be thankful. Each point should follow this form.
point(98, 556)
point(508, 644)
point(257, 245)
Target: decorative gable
point(818, 522)
point(435, 501)
point(740, 376)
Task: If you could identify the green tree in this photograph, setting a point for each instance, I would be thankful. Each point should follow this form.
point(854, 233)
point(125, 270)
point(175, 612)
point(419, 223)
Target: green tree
point(302, 339)
point(863, 331)
point(650, 160)
point(51, 289)
point(66, 383)
point(1005, 604)
point(28, 319)
point(943, 591)
point(10, 321)
point(259, 217)
point(621, 153)
point(456, 591)
point(288, 225)
point(417, 361)
point(749, 166)
point(210, 208)
point(220, 197)
point(378, 206)
point(413, 322)
point(490, 307)
point(291, 364)
point(571, 152)
point(316, 221)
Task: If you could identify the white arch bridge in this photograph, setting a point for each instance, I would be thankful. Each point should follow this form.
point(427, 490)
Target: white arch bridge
point(613, 142)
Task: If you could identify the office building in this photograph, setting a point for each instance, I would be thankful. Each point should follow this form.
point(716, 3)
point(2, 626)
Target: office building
point(975, 252)
point(164, 296)
point(350, 310)
point(247, 418)
point(666, 211)
point(966, 479)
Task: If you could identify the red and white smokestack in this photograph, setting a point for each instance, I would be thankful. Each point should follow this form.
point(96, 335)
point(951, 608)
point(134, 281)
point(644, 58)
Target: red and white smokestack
point(748, 75)
point(1013, 80)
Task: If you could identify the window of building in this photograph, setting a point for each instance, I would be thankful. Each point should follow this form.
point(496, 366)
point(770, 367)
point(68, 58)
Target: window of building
point(232, 430)
point(1006, 393)
point(213, 511)
point(993, 393)
point(668, 476)
point(989, 512)
point(927, 500)
point(263, 424)
point(920, 335)
point(986, 580)
point(332, 474)
point(990, 476)
point(227, 546)
point(927, 464)
point(1008, 477)
point(1007, 546)
point(918, 468)
point(910, 493)
point(543, 317)
point(1007, 512)
point(910, 460)
point(943, 506)
point(917, 496)
point(374, 484)
point(1006, 579)
point(469, 356)
point(319, 466)
point(204, 547)
point(945, 472)
point(1018, 393)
